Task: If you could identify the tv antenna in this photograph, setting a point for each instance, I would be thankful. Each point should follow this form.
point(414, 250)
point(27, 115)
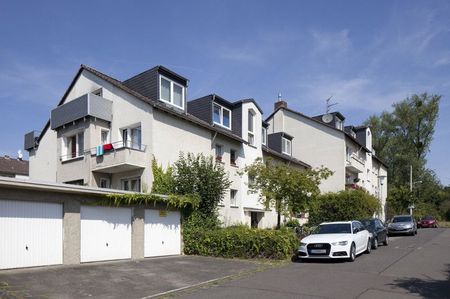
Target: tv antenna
point(330, 105)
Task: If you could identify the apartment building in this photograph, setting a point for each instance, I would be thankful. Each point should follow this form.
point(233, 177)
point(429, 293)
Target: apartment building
point(346, 150)
point(104, 133)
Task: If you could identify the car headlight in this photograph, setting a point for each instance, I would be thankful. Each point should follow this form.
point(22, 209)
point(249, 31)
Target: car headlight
point(340, 243)
point(303, 244)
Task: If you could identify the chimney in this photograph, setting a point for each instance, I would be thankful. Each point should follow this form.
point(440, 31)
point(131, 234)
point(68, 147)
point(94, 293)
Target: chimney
point(280, 103)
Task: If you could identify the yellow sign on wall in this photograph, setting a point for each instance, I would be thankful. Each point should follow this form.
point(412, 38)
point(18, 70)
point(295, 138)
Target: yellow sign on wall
point(162, 213)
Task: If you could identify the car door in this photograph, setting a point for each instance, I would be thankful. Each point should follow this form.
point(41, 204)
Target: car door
point(359, 236)
point(381, 230)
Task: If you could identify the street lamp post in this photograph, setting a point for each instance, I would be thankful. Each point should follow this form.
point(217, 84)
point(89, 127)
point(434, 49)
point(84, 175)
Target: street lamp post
point(411, 207)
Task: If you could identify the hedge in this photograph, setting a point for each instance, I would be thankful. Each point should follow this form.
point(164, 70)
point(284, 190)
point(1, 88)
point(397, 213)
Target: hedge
point(241, 242)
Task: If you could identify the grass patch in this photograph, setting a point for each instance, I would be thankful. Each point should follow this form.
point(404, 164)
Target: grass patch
point(445, 224)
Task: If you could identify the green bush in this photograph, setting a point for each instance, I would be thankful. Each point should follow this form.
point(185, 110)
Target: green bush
point(343, 206)
point(239, 242)
point(292, 223)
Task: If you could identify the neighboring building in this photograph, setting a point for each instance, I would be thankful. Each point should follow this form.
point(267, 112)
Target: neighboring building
point(104, 133)
point(13, 168)
point(324, 141)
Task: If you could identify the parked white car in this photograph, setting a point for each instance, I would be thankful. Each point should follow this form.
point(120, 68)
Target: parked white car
point(336, 240)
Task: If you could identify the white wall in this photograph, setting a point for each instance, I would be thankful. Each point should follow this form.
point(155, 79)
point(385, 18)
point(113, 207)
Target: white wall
point(314, 144)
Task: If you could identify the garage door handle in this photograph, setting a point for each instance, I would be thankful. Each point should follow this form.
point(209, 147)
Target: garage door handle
point(26, 247)
point(106, 244)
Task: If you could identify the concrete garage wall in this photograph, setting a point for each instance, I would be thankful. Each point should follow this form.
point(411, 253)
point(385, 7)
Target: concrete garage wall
point(72, 197)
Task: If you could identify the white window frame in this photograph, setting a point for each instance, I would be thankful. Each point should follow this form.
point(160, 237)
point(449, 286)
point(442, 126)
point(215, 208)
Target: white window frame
point(66, 152)
point(108, 182)
point(172, 83)
point(122, 183)
point(108, 136)
point(264, 136)
point(251, 134)
point(233, 201)
point(219, 155)
point(222, 108)
point(128, 142)
point(235, 157)
point(288, 142)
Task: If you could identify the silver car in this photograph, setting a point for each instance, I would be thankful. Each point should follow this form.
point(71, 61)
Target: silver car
point(402, 224)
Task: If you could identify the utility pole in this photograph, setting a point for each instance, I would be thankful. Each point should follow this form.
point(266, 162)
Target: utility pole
point(410, 179)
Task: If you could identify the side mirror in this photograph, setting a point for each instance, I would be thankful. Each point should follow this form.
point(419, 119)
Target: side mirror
point(356, 230)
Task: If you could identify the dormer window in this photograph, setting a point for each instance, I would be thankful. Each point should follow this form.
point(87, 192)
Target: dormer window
point(286, 146)
point(222, 116)
point(171, 92)
point(339, 124)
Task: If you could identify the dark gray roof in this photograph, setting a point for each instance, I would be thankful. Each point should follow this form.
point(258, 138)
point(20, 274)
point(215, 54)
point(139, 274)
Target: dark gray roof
point(240, 102)
point(284, 157)
point(13, 166)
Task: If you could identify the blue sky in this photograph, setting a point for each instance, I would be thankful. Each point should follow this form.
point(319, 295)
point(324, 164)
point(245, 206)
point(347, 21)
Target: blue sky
point(366, 54)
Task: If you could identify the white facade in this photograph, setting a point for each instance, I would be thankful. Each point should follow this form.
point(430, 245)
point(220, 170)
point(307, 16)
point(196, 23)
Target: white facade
point(320, 144)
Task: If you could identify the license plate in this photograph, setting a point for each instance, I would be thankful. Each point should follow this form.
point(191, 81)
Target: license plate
point(318, 251)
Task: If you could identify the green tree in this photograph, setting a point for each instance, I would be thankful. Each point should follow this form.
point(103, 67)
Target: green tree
point(402, 139)
point(283, 187)
point(343, 205)
point(162, 180)
point(200, 175)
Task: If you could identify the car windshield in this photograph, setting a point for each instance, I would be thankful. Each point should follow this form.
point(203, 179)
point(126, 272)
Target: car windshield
point(335, 228)
point(368, 223)
point(402, 219)
point(428, 218)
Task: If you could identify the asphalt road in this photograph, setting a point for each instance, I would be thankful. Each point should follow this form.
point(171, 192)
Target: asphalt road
point(409, 267)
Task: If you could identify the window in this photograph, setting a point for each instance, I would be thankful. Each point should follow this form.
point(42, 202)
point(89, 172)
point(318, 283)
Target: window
point(171, 92)
point(219, 152)
point(73, 146)
point(233, 197)
point(131, 137)
point(233, 157)
point(251, 127)
point(338, 124)
point(222, 116)
point(133, 184)
point(105, 137)
point(105, 183)
point(285, 146)
point(264, 136)
point(98, 92)
point(348, 152)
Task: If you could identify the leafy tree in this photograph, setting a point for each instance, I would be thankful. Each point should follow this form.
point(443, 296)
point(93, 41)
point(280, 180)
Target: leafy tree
point(162, 180)
point(343, 205)
point(284, 187)
point(402, 138)
point(200, 175)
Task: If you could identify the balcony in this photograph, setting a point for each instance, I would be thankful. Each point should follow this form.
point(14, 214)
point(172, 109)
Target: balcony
point(354, 164)
point(118, 157)
point(84, 106)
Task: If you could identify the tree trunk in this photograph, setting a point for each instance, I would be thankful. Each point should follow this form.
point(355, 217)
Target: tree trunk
point(278, 214)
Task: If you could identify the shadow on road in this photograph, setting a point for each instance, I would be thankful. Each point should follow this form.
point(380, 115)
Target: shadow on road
point(427, 288)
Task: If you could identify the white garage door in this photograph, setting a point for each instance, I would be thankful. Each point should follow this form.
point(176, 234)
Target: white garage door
point(162, 233)
point(105, 233)
point(31, 234)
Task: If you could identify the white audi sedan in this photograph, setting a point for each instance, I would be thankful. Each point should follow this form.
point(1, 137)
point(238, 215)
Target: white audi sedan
point(336, 240)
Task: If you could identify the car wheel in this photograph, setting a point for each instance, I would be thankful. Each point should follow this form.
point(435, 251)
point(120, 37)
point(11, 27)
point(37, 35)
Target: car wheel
point(352, 253)
point(375, 243)
point(386, 241)
point(415, 232)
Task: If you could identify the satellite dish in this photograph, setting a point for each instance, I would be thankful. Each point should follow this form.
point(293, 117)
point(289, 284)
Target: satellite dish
point(19, 154)
point(327, 118)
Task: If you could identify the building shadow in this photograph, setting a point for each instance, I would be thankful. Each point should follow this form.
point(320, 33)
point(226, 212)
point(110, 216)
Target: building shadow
point(426, 288)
